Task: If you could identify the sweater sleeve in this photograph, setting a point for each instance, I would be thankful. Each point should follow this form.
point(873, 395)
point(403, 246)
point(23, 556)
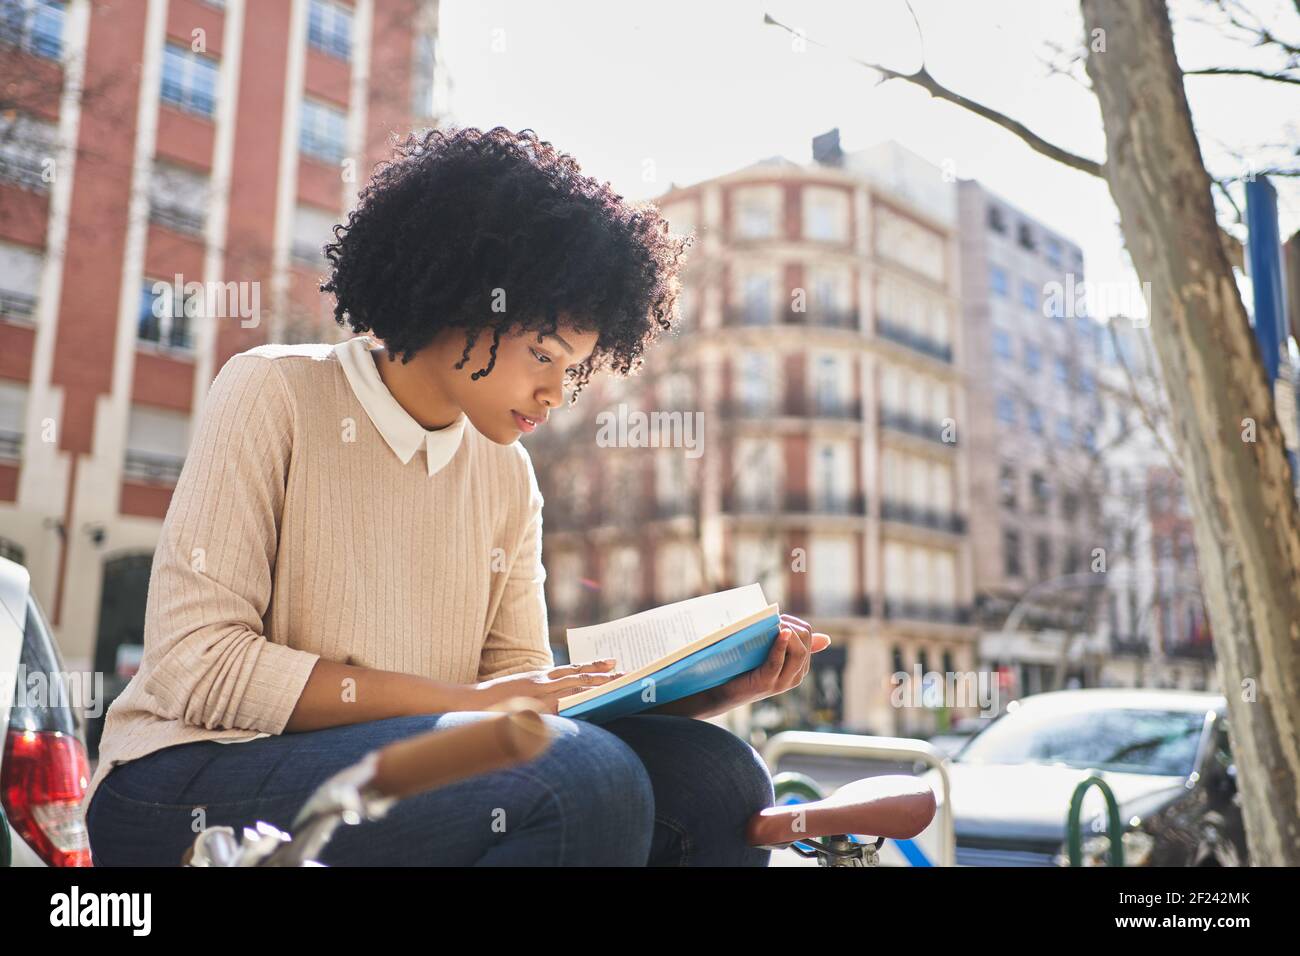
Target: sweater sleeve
point(518, 639)
point(206, 659)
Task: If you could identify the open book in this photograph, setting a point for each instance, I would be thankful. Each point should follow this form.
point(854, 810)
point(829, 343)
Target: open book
point(673, 651)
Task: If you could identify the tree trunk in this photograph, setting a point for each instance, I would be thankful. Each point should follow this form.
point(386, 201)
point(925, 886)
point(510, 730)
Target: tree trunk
point(1243, 507)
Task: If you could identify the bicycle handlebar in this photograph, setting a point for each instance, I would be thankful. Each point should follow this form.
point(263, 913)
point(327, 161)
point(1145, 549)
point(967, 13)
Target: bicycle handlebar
point(439, 757)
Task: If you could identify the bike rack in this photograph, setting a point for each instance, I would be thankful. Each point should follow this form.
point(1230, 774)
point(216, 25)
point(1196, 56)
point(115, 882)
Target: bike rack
point(1114, 828)
point(863, 747)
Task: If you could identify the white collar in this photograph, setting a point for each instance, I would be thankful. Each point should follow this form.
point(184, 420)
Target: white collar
point(402, 432)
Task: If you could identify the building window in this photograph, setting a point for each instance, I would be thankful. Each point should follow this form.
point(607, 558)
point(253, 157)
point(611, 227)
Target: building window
point(1002, 346)
point(758, 300)
point(1062, 369)
point(1006, 410)
point(1043, 556)
point(33, 25)
point(1042, 492)
point(756, 221)
point(156, 442)
point(13, 415)
point(20, 280)
point(178, 198)
point(1064, 432)
point(997, 222)
point(312, 229)
point(1011, 554)
point(1007, 487)
point(998, 281)
point(1054, 253)
point(1069, 505)
point(1025, 237)
point(329, 28)
point(27, 147)
point(1033, 358)
point(324, 132)
point(424, 75)
point(1029, 295)
point(162, 319)
point(189, 80)
point(1035, 419)
point(1090, 438)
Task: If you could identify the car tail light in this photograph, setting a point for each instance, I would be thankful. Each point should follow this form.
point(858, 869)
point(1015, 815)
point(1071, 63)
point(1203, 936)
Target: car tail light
point(43, 780)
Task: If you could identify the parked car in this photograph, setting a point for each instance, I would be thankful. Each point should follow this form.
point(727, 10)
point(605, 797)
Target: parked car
point(1164, 754)
point(43, 766)
point(949, 741)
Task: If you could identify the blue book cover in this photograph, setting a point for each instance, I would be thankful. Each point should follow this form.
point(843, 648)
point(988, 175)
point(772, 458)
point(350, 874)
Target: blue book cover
point(700, 665)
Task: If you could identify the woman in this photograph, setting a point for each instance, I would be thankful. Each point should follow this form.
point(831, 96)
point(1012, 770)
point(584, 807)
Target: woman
point(321, 589)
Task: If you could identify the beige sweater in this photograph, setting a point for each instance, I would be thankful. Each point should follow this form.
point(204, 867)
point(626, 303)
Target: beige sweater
point(306, 524)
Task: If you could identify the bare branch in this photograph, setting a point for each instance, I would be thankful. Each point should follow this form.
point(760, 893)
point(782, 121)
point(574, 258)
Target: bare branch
point(1243, 71)
point(925, 81)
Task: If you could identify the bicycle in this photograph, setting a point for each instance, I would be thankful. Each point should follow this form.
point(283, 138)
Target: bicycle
point(896, 807)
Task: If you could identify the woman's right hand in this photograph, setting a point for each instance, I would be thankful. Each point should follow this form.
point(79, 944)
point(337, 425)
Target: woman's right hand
point(547, 685)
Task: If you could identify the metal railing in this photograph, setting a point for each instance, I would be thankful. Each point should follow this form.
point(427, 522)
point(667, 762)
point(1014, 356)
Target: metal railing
point(915, 341)
point(907, 422)
point(950, 521)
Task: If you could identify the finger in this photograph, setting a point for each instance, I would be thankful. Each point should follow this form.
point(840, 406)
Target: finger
point(563, 670)
point(791, 619)
point(803, 634)
point(820, 642)
point(583, 680)
point(776, 657)
point(789, 675)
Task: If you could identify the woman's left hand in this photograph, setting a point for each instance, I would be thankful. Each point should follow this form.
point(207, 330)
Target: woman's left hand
point(786, 665)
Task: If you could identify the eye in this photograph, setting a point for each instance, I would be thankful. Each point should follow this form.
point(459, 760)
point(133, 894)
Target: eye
point(544, 359)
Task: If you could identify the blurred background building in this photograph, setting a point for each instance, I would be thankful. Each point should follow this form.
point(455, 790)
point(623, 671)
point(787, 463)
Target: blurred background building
point(143, 142)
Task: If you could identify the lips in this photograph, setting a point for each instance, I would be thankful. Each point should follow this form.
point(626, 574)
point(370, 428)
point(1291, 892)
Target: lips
point(523, 423)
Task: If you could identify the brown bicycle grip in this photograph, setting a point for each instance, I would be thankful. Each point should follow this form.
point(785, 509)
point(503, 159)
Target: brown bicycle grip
point(440, 757)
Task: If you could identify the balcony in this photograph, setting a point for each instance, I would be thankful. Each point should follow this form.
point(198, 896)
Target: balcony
point(907, 513)
point(11, 445)
point(793, 407)
point(154, 469)
point(905, 609)
point(734, 502)
point(16, 305)
point(177, 218)
point(826, 318)
point(915, 341)
point(834, 605)
point(25, 171)
point(1129, 645)
point(911, 424)
point(1191, 651)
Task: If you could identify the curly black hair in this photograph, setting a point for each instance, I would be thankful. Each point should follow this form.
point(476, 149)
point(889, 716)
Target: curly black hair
point(499, 231)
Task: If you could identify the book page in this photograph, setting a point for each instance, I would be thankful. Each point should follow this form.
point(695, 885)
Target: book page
point(643, 638)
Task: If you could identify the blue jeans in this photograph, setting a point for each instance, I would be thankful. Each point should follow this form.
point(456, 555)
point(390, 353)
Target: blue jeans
point(646, 790)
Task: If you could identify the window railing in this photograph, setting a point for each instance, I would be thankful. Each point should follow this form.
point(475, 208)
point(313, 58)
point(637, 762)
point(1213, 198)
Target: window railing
point(11, 445)
point(902, 335)
point(827, 318)
point(908, 513)
point(914, 425)
point(155, 469)
point(794, 407)
point(26, 171)
point(907, 609)
point(177, 218)
point(16, 305)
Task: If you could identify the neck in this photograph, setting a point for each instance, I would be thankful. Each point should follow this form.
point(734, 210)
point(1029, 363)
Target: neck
point(419, 393)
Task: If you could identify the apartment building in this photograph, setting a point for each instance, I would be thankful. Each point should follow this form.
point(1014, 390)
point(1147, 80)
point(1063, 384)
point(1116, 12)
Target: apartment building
point(169, 170)
point(1156, 624)
point(1037, 466)
point(820, 350)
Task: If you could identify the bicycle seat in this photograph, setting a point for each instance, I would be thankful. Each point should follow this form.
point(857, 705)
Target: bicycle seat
point(893, 806)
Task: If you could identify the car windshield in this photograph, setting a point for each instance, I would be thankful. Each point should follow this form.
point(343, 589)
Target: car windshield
point(1124, 741)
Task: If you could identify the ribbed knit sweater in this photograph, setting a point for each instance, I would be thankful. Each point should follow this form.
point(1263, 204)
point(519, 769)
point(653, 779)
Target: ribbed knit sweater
point(302, 527)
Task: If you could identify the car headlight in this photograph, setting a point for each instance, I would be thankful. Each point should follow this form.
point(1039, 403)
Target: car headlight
point(1095, 851)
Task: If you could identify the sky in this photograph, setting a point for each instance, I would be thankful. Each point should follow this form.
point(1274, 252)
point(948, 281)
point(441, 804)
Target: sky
point(648, 95)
